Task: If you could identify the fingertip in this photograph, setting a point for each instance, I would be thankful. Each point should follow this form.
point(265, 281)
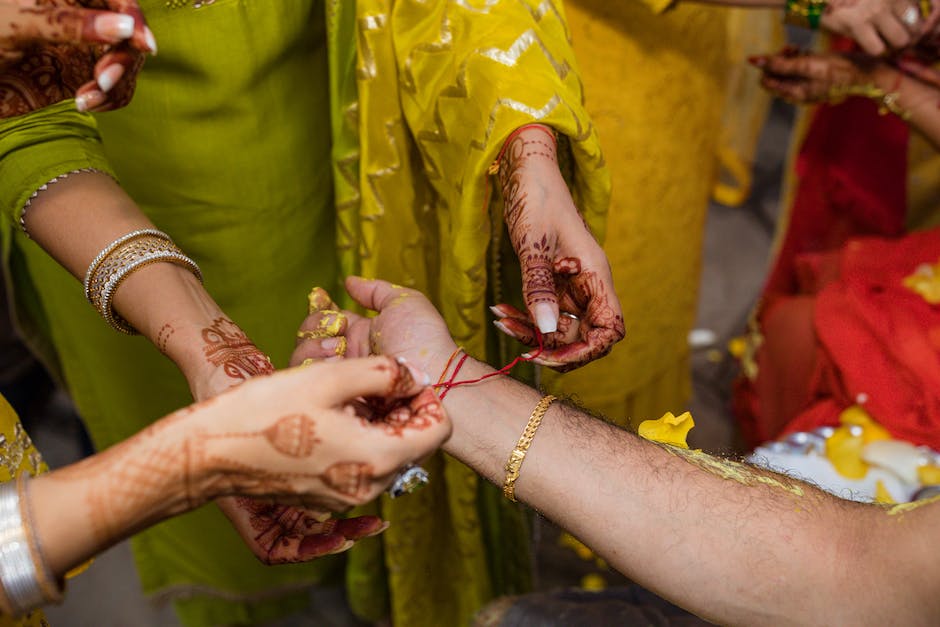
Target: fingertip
point(546, 317)
point(150, 41)
point(417, 375)
point(114, 27)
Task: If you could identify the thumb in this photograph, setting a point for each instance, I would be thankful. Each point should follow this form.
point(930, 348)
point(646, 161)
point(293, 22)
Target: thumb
point(538, 281)
point(374, 294)
point(344, 380)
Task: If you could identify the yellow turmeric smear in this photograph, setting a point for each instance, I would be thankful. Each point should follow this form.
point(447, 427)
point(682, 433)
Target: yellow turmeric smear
point(903, 508)
point(670, 432)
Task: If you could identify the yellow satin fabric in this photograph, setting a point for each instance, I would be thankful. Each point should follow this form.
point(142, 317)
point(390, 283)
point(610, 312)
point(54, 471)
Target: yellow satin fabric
point(656, 88)
point(439, 86)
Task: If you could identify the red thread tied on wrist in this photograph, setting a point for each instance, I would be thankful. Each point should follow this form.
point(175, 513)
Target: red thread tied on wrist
point(452, 383)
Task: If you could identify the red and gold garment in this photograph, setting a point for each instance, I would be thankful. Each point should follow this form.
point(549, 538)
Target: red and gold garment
point(849, 313)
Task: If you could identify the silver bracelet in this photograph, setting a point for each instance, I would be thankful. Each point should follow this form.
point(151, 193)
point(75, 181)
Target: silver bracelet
point(45, 186)
point(17, 570)
point(110, 248)
point(107, 294)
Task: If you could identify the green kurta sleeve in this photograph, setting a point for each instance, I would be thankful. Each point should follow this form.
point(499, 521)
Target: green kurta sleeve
point(39, 146)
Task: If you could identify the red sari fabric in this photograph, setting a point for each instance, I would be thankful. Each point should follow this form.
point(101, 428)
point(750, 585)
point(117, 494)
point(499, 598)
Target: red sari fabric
point(837, 322)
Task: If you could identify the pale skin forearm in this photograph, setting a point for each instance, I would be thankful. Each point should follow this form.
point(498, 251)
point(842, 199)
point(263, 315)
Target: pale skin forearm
point(74, 219)
point(736, 553)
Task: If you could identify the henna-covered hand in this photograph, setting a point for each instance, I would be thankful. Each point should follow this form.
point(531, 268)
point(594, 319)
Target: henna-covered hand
point(52, 50)
point(286, 451)
point(226, 357)
point(564, 269)
point(802, 77)
point(343, 433)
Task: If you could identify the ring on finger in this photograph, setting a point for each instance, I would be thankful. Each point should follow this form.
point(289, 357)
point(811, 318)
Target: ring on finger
point(411, 478)
point(911, 16)
point(568, 314)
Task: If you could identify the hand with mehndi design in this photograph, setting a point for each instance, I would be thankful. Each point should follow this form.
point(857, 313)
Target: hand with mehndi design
point(564, 269)
point(301, 436)
point(804, 78)
point(336, 450)
point(52, 51)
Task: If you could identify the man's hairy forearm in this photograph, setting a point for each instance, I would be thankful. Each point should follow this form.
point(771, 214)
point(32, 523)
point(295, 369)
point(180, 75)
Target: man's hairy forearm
point(732, 543)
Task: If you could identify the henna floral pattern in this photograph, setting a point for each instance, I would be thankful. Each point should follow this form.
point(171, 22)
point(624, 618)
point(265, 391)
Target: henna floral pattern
point(35, 72)
point(226, 345)
point(549, 275)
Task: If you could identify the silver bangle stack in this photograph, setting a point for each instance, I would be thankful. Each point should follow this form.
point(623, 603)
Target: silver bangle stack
point(121, 258)
point(26, 581)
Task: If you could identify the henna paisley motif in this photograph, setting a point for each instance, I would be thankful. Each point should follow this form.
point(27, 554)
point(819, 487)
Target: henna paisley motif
point(227, 346)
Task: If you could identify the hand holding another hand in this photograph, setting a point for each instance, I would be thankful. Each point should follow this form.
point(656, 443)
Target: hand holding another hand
point(303, 444)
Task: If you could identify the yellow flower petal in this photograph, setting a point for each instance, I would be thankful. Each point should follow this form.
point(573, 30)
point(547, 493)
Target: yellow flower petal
point(669, 429)
point(925, 280)
point(844, 451)
point(580, 549)
point(871, 430)
point(882, 495)
point(929, 474)
point(593, 581)
point(737, 346)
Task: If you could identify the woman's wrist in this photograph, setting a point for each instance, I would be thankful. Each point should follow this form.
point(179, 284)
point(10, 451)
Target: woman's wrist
point(134, 484)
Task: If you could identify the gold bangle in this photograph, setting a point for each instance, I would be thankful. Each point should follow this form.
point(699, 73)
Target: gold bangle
point(514, 464)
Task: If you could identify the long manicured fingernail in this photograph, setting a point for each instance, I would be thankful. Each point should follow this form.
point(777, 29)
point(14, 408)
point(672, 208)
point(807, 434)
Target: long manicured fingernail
point(502, 327)
point(111, 75)
point(150, 40)
point(545, 317)
point(115, 26)
point(420, 377)
point(343, 547)
point(498, 311)
point(83, 102)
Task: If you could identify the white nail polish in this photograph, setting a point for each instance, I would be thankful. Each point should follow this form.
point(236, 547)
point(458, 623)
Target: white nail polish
point(502, 327)
point(422, 378)
point(545, 317)
point(497, 311)
point(115, 26)
point(81, 102)
point(110, 76)
point(150, 39)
